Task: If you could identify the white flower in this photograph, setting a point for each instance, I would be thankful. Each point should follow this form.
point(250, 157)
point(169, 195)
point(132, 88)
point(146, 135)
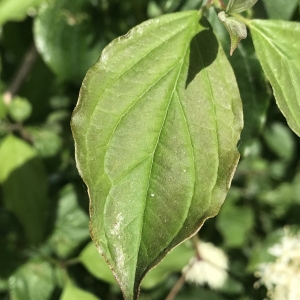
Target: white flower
point(282, 277)
point(210, 269)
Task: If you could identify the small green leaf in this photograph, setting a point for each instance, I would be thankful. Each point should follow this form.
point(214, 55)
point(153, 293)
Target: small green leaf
point(45, 141)
point(20, 109)
point(173, 262)
point(71, 292)
point(71, 225)
point(238, 6)
point(67, 37)
point(15, 10)
point(35, 280)
point(96, 264)
point(277, 45)
point(157, 149)
point(236, 29)
point(235, 223)
point(24, 183)
point(280, 140)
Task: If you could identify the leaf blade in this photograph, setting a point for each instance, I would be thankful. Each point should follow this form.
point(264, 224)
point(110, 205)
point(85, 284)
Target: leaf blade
point(62, 33)
point(23, 169)
point(281, 64)
point(238, 6)
point(143, 168)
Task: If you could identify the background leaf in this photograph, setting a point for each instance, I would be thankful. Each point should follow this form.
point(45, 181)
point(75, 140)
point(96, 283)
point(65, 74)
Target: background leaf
point(235, 223)
point(251, 81)
point(279, 56)
point(15, 10)
point(238, 6)
point(24, 185)
point(71, 225)
point(68, 38)
point(71, 292)
point(276, 10)
point(96, 264)
point(169, 170)
point(35, 280)
point(173, 262)
point(280, 139)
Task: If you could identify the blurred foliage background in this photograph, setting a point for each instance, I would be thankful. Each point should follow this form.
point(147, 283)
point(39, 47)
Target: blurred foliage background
point(46, 47)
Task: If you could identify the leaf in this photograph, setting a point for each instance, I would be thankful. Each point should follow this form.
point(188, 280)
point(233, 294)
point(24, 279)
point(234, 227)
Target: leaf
point(280, 140)
point(175, 261)
point(235, 224)
point(277, 45)
point(251, 82)
point(277, 9)
point(236, 29)
point(65, 35)
point(24, 184)
point(20, 109)
point(71, 292)
point(155, 136)
point(71, 225)
point(15, 10)
point(238, 6)
point(96, 264)
point(35, 280)
point(46, 142)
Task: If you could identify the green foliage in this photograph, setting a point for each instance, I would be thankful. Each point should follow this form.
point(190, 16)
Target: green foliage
point(19, 109)
point(167, 163)
point(33, 281)
point(276, 10)
point(70, 225)
point(71, 292)
point(73, 41)
point(279, 61)
point(16, 10)
point(156, 131)
point(23, 180)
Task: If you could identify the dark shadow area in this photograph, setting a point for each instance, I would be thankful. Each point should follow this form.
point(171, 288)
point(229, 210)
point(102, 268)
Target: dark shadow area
point(204, 50)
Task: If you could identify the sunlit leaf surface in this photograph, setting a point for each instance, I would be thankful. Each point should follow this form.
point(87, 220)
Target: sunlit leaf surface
point(156, 128)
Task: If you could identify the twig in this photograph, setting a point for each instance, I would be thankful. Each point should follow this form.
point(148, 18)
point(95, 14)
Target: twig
point(179, 284)
point(21, 74)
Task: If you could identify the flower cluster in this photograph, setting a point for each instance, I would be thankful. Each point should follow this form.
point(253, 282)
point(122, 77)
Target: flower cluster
point(209, 268)
point(282, 277)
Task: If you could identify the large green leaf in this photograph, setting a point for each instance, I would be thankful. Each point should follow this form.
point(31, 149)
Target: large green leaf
point(277, 45)
point(24, 184)
point(67, 36)
point(155, 129)
point(15, 10)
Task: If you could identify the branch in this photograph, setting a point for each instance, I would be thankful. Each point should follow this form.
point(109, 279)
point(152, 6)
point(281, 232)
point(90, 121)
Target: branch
point(21, 74)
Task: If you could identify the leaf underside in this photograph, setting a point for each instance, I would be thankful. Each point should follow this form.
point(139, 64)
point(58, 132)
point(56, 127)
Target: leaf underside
point(238, 6)
point(277, 45)
point(155, 128)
